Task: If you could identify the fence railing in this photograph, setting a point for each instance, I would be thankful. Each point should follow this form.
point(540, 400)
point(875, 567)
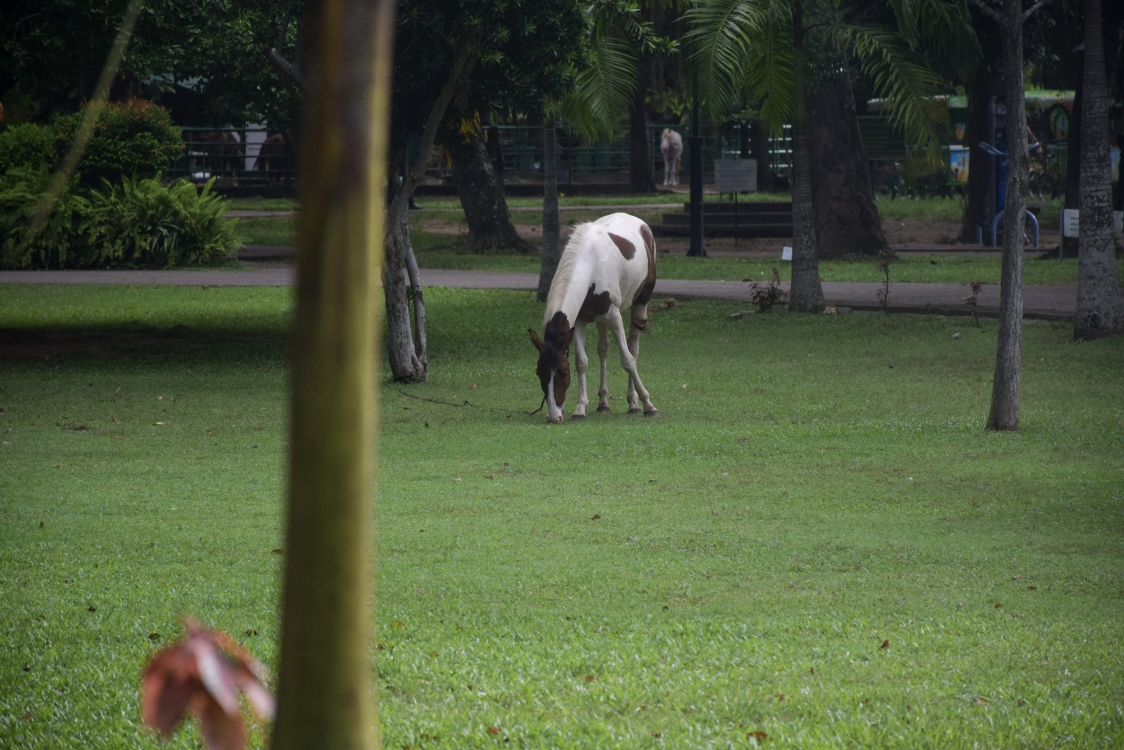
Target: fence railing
point(235, 156)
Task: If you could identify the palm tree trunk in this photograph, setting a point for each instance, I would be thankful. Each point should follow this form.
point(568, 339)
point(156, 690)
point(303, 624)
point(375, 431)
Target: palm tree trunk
point(1100, 310)
point(1004, 413)
point(640, 177)
point(551, 233)
point(846, 219)
point(984, 84)
point(806, 291)
point(325, 696)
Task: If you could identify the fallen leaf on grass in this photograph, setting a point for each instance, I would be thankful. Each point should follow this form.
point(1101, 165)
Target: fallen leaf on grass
point(980, 701)
point(278, 551)
point(91, 609)
point(780, 697)
point(596, 517)
point(657, 734)
point(758, 735)
point(999, 606)
point(202, 675)
point(885, 644)
point(1032, 588)
point(590, 678)
point(155, 423)
point(26, 667)
point(153, 636)
point(493, 730)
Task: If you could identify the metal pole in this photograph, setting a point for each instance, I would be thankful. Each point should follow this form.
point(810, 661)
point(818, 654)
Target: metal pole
point(697, 250)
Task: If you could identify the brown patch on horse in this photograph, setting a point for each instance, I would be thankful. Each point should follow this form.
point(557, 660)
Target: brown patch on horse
point(594, 304)
point(645, 292)
point(628, 250)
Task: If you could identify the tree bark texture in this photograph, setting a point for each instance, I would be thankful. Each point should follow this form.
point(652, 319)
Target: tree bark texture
point(806, 291)
point(984, 85)
point(325, 696)
point(1004, 413)
point(490, 229)
point(846, 219)
point(1100, 310)
point(640, 176)
point(551, 226)
point(405, 348)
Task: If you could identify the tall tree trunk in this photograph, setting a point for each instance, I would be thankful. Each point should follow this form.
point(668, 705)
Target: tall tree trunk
point(1073, 157)
point(640, 179)
point(984, 85)
point(847, 221)
point(759, 143)
point(405, 349)
point(806, 291)
point(1004, 413)
point(1100, 310)
point(325, 696)
point(551, 232)
point(490, 229)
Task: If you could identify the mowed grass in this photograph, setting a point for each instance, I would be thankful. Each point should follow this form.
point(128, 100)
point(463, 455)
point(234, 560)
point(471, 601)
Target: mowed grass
point(815, 539)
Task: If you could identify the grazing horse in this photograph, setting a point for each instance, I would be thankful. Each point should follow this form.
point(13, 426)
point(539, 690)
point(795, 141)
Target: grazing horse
point(607, 264)
point(671, 146)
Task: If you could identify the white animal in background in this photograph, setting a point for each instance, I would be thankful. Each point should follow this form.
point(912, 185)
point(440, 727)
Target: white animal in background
point(671, 145)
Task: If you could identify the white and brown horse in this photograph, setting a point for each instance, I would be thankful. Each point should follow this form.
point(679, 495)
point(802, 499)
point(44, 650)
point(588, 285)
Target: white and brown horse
point(607, 265)
point(671, 146)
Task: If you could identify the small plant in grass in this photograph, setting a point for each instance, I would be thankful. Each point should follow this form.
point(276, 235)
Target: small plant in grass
point(765, 295)
point(885, 258)
point(202, 675)
point(970, 302)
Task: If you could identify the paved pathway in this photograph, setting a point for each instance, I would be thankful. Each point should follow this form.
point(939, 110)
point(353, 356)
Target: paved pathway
point(1056, 302)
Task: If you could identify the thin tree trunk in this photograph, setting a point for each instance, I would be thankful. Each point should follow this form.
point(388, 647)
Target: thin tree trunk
point(1100, 310)
point(490, 229)
point(806, 291)
point(1004, 413)
point(846, 219)
point(551, 233)
point(325, 696)
point(407, 362)
point(981, 88)
point(640, 177)
point(759, 143)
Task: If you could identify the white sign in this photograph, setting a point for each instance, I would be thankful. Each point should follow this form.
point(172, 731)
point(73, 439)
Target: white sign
point(1071, 226)
point(735, 175)
point(786, 253)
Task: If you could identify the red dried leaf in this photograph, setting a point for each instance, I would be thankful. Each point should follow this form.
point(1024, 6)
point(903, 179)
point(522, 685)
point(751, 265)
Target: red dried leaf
point(885, 644)
point(590, 678)
point(758, 735)
point(201, 675)
point(493, 730)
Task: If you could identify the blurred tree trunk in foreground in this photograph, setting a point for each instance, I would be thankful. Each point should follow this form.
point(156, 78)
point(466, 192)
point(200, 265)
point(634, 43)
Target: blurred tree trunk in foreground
point(325, 697)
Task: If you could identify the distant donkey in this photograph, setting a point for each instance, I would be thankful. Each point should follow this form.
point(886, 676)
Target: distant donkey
point(671, 145)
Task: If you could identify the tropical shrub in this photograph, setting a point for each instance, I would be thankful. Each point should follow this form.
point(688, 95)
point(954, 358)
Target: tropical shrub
point(28, 145)
point(135, 223)
point(130, 139)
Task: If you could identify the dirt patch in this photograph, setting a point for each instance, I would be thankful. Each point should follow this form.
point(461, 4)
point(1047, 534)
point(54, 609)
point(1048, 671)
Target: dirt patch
point(20, 343)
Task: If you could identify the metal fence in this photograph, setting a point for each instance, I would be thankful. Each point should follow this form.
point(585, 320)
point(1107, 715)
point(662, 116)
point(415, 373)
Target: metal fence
point(235, 157)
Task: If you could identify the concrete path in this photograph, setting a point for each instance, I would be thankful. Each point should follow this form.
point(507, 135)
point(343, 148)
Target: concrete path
point(1043, 302)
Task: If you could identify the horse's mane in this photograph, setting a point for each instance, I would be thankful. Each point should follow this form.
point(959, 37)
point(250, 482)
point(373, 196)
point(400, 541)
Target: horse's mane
point(565, 272)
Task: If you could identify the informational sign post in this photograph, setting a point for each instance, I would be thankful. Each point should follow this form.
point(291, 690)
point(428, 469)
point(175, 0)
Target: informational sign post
point(735, 176)
point(1071, 226)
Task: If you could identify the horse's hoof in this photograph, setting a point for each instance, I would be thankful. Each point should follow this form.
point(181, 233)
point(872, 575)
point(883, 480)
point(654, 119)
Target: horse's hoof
point(634, 410)
point(652, 413)
point(577, 417)
point(603, 410)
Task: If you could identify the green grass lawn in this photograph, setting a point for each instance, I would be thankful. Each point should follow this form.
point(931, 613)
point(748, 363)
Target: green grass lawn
point(815, 488)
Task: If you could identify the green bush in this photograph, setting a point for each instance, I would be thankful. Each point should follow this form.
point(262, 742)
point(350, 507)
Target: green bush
point(131, 139)
point(136, 223)
point(28, 145)
point(59, 242)
point(141, 223)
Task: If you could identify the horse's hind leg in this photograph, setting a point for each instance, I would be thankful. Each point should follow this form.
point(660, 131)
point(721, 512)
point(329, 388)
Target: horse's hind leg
point(603, 355)
point(638, 325)
point(583, 367)
point(628, 362)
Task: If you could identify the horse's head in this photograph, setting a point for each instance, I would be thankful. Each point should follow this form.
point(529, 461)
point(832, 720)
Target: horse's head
point(554, 362)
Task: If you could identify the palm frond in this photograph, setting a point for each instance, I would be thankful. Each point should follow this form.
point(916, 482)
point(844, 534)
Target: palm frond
point(943, 26)
point(910, 86)
point(603, 90)
point(721, 38)
point(770, 80)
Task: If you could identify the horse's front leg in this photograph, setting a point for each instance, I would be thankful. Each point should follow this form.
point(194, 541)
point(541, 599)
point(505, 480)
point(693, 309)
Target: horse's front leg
point(628, 362)
point(603, 355)
point(583, 367)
